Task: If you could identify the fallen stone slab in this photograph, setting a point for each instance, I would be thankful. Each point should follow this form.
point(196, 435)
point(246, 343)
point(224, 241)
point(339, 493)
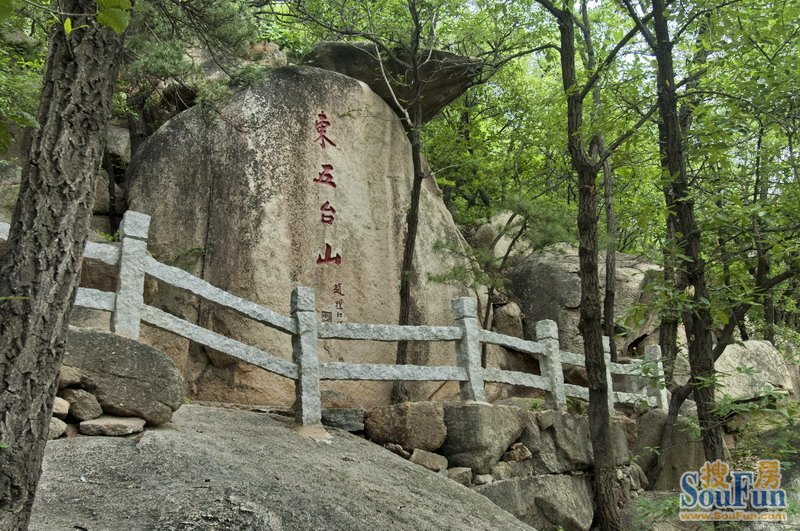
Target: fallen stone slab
point(60, 407)
point(112, 426)
point(429, 460)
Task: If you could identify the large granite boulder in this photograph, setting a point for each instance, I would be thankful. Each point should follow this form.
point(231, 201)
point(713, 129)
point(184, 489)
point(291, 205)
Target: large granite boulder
point(447, 75)
point(747, 368)
point(546, 286)
point(128, 378)
point(244, 198)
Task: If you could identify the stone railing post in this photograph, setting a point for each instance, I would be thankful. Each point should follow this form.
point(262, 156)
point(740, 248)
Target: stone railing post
point(468, 348)
point(609, 378)
point(308, 410)
point(550, 364)
point(652, 356)
point(127, 315)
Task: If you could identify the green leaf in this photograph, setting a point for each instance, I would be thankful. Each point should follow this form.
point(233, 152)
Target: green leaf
point(68, 25)
point(114, 14)
point(6, 8)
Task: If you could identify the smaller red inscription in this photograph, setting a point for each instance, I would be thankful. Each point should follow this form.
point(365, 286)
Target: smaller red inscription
point(325, 176)
point(327, 213)
point(321, 124)
point(328, 258)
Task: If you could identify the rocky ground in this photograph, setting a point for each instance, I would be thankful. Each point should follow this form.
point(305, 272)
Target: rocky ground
point(215, 468)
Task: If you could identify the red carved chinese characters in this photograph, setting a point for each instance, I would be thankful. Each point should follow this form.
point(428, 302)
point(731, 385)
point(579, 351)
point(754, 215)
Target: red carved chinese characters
point(321, 125)
point(327, 259)
point(327, 213)
point(337, 290)
point(325, 176)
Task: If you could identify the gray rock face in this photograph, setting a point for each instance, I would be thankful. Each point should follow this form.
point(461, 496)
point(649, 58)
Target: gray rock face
point(240, 189)
point(508, 320)
point(111, 426)
point(479, 434)
point(57, 428)
point(763, 366)
point(446, 74)
point(545, 502)
point(410, 424)
point(60, 407)
point(461, 475)
point(347, 419)
point(231, 469)
point(128, 378)
point(546, 286)
point(82, 404)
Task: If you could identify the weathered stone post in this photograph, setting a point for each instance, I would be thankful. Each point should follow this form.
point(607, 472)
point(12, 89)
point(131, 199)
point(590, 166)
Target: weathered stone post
point(652, 356)
point(468, 348)
point(308, 410)
point(609, 378)
point(550, 364)
point(126, 318)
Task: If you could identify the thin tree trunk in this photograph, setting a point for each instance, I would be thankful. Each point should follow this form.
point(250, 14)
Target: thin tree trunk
point(47, 239)
point(698, 321)
point(605, 483)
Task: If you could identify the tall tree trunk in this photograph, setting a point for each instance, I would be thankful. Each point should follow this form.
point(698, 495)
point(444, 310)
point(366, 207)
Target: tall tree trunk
point(413, 127)
point(698, 321)
point(605, 480)
point(48, 234)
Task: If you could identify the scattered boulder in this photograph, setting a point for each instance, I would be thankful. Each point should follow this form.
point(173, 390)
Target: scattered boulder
point(57, 428)
point(429, 460)
point(483, 479)
point(746, 369)
point(112, 426)
point(508, 320)
point(128, 378)
point(60, 407)
point(410, 424)
point(546, 286)
point(479, 434)
point(545, 502)
point(82, 404)
point(447, 75)
point(500, 230)
point(461, 474)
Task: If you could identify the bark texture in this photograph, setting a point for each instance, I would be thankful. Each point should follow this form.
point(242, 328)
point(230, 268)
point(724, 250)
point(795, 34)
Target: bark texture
point(48, 234)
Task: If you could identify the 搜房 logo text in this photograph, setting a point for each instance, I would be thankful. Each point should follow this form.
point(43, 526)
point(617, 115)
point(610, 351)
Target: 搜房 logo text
point(717, 493)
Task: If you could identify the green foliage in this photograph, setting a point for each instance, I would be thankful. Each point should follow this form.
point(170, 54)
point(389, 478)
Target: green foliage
point(113, 14)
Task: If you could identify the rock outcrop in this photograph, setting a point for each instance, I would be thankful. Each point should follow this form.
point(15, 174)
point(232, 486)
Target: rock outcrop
point(546, 286)
point(218, 468)
point(446, 75)
point(245, 199)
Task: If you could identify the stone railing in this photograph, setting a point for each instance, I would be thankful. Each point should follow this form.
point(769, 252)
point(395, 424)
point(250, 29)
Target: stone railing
point(129, 311)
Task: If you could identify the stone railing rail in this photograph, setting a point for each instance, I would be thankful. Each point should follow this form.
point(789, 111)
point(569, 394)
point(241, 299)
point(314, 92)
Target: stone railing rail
point(129, 311)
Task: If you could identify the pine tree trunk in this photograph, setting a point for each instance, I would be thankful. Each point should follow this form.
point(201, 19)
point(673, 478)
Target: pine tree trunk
point(48, 234)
